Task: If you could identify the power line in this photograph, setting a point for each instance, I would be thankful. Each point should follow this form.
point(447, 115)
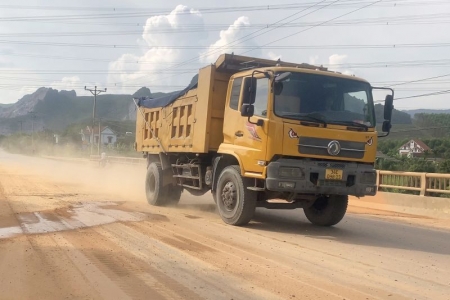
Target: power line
point(190, 47)
point(184, 28)
point(205, 10)
point(149, 13)
point(418, 96)
point(140, 9)
point(420, 80)
point(312, 27)
point(422, 19)
point(425, 95)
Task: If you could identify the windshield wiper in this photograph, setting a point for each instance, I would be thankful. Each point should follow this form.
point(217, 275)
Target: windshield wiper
point(351, 123)
point(306, 118)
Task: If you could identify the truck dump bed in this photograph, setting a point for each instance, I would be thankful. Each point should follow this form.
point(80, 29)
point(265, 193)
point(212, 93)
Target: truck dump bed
point(193, 122)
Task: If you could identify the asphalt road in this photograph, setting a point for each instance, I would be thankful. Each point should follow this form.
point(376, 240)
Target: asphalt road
point(71, 230)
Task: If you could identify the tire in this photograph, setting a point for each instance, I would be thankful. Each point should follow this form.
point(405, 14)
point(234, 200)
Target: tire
point(173, 194)
point(156, 193)
point(327, 211)
point(236, 204)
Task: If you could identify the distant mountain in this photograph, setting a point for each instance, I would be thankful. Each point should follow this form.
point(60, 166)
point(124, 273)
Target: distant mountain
point(24, 105)
point(55, 110)
point(413, 112)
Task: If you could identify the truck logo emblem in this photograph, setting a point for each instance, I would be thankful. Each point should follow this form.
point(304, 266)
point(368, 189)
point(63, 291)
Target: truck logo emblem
point(370, 142)
point(334, 148)
point(252, 130)
point(292, 134)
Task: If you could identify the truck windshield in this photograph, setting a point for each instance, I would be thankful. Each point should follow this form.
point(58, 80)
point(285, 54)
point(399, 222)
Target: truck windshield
point(326, 99)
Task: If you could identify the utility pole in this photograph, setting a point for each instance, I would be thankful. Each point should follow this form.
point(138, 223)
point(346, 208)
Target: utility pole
point(99, 134)
point(94, 92)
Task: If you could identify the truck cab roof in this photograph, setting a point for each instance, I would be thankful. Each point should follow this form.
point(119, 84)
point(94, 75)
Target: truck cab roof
point(230, 63)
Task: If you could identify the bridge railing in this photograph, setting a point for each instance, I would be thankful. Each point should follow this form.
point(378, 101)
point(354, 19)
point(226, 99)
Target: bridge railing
point(424, 183)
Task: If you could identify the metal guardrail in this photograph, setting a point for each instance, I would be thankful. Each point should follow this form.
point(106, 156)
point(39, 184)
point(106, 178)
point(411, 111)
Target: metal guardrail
point(424, 183)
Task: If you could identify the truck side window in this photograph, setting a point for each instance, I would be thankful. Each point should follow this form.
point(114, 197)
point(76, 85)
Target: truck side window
point(262, 91)
point(235, 93)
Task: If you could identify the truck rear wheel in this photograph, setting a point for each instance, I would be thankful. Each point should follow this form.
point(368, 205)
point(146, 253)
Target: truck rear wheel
point(236, 204)
point(158, 194)
point(327, 210)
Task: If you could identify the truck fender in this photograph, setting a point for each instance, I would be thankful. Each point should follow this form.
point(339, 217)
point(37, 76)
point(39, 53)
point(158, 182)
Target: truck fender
point(219, 163)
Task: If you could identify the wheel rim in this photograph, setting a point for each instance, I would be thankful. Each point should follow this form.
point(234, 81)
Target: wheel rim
point(229, 196)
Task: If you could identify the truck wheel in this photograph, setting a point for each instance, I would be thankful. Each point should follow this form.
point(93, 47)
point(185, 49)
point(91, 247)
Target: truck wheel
point(173, 194)
point(235, 202)
point(154, 190)
point(327, 211)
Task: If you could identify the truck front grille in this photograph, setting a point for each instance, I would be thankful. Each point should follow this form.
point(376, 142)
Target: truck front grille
point(316, 146)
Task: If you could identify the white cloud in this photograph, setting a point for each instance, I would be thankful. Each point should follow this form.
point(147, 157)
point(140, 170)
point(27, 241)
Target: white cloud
point(157, 67)
point(67, 83)
point(127, 75)
point(226, 43)
point(181, 16)
point(336, 62)
point(337, 59)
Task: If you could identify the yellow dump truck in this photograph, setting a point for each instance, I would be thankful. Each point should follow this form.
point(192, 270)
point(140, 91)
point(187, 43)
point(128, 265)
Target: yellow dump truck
point(263, 133)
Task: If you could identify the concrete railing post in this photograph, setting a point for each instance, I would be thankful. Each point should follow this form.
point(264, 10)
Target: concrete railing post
point(423, 184)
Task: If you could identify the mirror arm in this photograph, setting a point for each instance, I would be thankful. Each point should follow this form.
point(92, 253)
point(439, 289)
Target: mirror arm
point(257, 123)
point(266, 73)
point(384, 88)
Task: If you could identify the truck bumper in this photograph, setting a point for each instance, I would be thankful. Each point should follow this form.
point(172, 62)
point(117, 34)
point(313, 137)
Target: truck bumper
point(309, 177)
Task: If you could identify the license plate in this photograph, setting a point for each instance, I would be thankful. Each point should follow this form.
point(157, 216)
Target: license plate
point(333, 174)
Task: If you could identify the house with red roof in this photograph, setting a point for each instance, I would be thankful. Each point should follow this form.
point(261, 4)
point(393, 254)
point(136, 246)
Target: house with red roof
point(413, 148)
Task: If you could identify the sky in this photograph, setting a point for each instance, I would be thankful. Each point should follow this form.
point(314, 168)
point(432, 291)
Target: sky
point(124, 45)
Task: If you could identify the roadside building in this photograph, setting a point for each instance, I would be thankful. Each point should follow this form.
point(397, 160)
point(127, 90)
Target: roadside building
point(413, 148)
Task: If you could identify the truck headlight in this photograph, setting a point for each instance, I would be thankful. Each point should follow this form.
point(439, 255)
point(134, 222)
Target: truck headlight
point(290, 172)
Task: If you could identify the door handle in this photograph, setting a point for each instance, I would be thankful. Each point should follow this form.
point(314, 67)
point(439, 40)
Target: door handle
point(239, 134)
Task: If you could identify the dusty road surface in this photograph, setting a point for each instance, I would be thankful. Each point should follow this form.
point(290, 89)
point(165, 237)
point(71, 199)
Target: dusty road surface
point(74, 231)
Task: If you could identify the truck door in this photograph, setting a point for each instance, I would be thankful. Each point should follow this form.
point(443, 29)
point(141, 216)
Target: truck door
point(251, 139)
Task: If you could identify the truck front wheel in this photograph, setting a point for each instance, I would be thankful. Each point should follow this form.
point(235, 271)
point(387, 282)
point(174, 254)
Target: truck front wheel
point(327, 210)
point(236, 204)
point(158, 194)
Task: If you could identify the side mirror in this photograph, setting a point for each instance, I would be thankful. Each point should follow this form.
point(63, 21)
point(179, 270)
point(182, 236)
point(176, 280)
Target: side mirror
point(247, 110)
point(249, 93)
point(388, 107)
point(386, 126)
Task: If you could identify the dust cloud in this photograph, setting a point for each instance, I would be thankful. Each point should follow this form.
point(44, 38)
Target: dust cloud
point(124, 181)
point(115, 182)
